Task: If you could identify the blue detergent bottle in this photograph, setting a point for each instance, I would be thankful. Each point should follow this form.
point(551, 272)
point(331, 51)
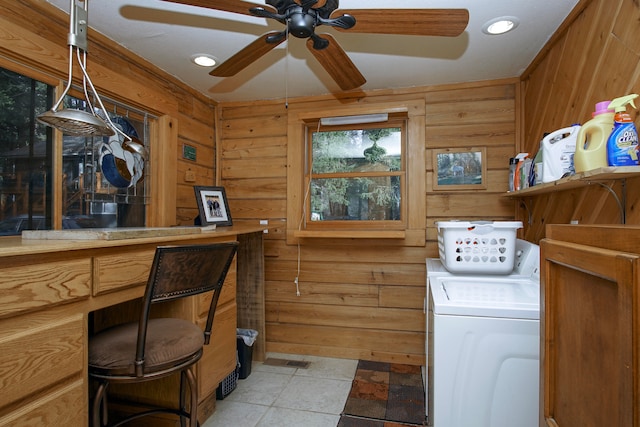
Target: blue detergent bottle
point(622, 146)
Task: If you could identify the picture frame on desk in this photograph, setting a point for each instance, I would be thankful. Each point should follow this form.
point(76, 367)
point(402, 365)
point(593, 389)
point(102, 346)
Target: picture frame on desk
point(213, 206)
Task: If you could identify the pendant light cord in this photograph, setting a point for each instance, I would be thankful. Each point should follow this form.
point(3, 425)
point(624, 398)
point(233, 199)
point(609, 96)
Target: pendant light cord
point(307, 191)
point(286, 70)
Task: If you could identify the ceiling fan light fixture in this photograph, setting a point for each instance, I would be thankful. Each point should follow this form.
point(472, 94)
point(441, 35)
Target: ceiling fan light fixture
point(204, 60)
point(500, 25)
point(353, 120)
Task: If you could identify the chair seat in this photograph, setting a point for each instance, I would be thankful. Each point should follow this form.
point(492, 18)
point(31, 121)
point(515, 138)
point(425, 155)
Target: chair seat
point(169, 342)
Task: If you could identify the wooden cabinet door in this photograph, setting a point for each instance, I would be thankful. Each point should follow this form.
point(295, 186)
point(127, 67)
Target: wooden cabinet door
point(589, 336)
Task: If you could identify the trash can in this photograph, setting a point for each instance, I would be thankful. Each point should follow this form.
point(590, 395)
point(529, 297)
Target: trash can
point(245, 339)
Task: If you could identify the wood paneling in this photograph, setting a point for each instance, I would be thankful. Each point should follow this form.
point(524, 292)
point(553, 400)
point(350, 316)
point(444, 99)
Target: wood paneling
point(595, 57)
point(360, 298)
point(243, 146)
point(33, 40)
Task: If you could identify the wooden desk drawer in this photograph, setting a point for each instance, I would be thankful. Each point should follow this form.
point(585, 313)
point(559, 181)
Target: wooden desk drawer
point(33, 286)
point(32, 359)
point(64, 406)
point(123, 270)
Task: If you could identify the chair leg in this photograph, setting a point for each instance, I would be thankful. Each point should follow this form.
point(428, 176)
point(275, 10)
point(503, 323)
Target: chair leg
point(188, 375)
point(99, 407)
point(183, 398)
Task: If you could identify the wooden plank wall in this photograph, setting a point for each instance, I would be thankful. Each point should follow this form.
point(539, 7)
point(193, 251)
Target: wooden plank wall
point(594, 57)
point(33, 40)
point(357, 299)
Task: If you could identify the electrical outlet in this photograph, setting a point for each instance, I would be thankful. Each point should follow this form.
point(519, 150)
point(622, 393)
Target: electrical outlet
point(190, 176)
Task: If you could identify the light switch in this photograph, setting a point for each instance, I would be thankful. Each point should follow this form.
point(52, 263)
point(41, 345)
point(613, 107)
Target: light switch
point(190, 176)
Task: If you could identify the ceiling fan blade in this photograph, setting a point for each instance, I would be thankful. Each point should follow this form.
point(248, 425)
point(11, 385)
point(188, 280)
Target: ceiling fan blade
point(337, 63)
point(248, 55)
point(319, 3)
point(234, 6)
point(418, 22)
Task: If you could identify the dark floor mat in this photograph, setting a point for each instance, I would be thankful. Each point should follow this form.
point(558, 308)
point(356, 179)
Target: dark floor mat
point(385, 395)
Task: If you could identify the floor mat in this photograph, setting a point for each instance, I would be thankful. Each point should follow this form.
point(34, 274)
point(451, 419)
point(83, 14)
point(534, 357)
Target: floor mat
point(385, 395)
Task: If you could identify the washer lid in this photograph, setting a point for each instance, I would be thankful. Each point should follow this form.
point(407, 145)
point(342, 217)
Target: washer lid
point(486, 297)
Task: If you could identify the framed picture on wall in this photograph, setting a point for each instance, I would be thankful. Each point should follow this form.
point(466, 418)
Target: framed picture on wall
point(460, 169)
point(213, 206)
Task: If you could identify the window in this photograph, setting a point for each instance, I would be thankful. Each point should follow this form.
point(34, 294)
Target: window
point(356, 174)
point(336, 191)
point(100, 197)
point(25, 154)
point(29, 180)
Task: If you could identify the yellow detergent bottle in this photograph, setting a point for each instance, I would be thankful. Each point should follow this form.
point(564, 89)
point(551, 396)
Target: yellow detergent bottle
point(622, 148)
point(591, 143)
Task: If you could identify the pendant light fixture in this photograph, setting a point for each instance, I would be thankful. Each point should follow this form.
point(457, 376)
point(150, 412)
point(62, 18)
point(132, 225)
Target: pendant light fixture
point(75, 121)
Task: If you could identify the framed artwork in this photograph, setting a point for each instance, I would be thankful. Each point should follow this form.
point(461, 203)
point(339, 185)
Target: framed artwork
point(460, 169)
point(213, 206)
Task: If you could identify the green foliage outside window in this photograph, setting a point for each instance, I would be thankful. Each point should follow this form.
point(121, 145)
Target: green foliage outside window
point(355, 174)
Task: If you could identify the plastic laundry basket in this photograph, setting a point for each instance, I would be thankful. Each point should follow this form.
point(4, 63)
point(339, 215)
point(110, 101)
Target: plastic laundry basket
point(481, 247)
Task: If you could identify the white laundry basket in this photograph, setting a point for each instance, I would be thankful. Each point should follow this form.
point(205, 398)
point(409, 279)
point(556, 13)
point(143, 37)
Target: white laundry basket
point(482, 247)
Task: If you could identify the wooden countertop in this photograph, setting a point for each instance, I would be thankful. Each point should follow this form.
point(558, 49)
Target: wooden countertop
point(16, 245)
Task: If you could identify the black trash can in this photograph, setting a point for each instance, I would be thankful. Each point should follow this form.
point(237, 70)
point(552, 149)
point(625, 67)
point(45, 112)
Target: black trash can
point(245, 340)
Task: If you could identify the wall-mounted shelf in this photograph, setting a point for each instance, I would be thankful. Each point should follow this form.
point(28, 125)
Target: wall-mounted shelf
point(579, 180)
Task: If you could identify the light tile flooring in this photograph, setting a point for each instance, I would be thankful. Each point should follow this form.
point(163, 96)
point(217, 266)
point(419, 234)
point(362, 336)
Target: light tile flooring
point(283, 396)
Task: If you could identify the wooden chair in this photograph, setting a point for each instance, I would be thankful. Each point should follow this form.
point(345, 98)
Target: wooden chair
point(153, 348)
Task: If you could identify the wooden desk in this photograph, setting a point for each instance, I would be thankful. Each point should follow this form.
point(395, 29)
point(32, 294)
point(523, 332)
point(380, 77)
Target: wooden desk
point(48, 290)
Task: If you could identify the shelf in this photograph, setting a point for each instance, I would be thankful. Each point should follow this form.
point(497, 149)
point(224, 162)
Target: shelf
point(579, 180)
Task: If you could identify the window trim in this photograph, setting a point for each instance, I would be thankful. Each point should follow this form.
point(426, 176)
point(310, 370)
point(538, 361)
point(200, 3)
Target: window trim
point(395, 121)
point(413, 230)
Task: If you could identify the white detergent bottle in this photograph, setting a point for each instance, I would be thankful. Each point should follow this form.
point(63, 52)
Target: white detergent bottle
point(591, 146)
point(558, 149)
point(622, 147)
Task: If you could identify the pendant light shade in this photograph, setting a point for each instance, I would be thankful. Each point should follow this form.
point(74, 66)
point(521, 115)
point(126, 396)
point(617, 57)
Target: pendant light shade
point(75, 121)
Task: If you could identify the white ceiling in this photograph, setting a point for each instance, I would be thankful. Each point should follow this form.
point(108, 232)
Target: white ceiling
point(168, 34)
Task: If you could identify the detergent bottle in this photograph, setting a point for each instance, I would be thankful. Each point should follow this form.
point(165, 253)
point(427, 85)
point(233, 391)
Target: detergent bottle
point(558, 149)
point(591, 144)
point(622, 147)
point(535, 174)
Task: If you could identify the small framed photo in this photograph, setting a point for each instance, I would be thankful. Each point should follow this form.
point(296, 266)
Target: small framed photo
point(460, 169)
point(213, 206)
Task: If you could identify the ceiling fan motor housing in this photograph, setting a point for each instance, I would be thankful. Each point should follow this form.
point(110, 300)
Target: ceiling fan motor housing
point(301, 24)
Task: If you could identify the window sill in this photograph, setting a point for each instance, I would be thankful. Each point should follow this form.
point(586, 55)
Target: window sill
point(351, 234)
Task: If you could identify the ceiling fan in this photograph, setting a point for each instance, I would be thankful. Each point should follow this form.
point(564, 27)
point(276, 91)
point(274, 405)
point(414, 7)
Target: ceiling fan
point(301, 17)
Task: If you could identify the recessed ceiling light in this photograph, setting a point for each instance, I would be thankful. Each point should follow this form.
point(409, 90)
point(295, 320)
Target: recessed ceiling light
point(500, 25)
point(204, 60)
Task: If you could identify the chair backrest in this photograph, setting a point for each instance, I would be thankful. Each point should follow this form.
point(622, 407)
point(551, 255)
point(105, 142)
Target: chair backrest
point(182, 271)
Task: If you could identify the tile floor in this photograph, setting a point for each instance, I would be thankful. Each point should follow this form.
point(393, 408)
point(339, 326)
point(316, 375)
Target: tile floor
point(283, 396)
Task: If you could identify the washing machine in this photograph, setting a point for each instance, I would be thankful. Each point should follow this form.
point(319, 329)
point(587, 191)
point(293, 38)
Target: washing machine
point(483, 345)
